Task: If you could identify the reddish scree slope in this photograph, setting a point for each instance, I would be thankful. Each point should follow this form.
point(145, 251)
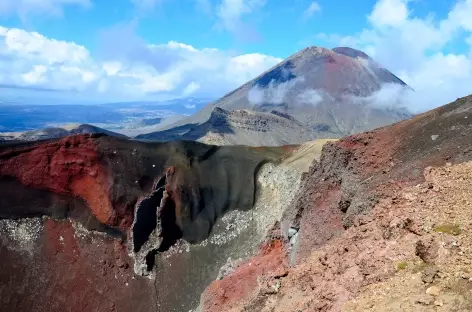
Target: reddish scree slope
point(352, 176)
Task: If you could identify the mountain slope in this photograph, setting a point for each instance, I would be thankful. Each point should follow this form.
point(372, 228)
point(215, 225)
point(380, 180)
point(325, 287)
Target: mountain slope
point(243, 127)
point(380, 223)
point(329, 89)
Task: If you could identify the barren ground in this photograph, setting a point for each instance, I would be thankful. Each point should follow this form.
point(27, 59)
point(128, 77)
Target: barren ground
point(411, 253)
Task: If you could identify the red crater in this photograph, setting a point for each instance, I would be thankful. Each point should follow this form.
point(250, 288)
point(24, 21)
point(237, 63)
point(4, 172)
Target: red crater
point(69, 166)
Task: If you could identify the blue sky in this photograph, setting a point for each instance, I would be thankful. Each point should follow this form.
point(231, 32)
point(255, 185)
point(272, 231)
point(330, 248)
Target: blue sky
point(277, 29)
point(100, 50)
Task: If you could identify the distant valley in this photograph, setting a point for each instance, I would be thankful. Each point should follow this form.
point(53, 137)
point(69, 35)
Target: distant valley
point(128, 118)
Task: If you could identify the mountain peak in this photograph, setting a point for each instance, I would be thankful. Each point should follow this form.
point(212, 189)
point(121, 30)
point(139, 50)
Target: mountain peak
point(310, 52)
point(323, 88)
point(351, 52)
point(315, 50)
point(320, 51)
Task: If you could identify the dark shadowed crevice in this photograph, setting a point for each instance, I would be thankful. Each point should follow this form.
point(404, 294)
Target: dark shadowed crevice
point(145, 182)
point(170, 231)
point(155, 226)
point(150, 259)
point(160, 183)
point(146, 216)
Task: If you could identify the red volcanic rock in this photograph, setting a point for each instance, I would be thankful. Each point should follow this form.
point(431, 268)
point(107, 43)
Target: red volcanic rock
point(355, 172)
point(55, 234)
point(225, 294)
point(69, 166)
point(322, 221)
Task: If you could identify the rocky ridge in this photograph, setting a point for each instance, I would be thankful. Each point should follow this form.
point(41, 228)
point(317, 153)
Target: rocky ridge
point(411, 253)
point(347, 228)
point(244, 127)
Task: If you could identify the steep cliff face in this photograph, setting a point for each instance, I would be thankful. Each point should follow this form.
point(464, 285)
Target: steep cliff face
point(340, 192)
point(67, 167)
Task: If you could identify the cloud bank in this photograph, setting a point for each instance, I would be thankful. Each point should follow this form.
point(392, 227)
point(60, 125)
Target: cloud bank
point(31, 60)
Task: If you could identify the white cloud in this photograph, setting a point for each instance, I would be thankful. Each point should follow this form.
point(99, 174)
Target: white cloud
point(285, 92)
point(390, 95)
point(36, 75)
point(231, 13)
point(177, 45)
point(310, 96)
point(311, 10)
point(33, 46)
point(111, 68)
point(412, 48)
point(274, 93)
point(191, 88)
point(256, 96)
point(23, 8)
point(389, 12)
point(239, 65)
point(460, 15)
point(31, 60)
